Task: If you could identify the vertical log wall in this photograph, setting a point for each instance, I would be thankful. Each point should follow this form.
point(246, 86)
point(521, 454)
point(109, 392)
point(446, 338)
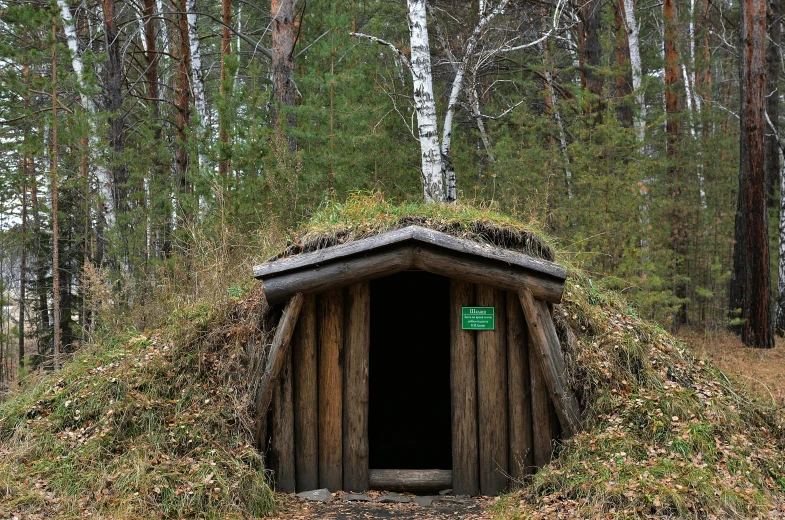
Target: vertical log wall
point(511, 431)
point(320, 439)
point(503, 421)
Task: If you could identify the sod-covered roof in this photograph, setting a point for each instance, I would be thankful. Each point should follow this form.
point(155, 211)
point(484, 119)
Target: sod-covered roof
point(410, 247)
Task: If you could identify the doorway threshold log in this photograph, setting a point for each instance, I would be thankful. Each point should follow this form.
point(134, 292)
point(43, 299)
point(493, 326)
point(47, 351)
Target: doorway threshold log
point(411, 480)
point(547, 350)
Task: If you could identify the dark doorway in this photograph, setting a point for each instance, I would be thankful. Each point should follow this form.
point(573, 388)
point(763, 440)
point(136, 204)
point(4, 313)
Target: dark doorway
point(409, 409)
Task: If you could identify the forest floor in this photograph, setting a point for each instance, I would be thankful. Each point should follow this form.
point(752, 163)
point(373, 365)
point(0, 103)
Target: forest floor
point(292, 507)
point(762, 370)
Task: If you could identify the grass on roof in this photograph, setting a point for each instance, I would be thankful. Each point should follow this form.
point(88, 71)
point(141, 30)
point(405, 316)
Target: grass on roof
point(361, 216)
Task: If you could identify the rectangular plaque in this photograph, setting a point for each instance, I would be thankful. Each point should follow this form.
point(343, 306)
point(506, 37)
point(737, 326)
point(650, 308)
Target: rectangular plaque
point(478, 318)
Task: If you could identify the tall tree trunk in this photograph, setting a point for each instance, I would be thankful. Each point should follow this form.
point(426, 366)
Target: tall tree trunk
point(282, 13)
point(106, 213)
point(23, 262)
point(679, 232)
point(424, 102)
point(628, 9)
point(773, 57)
point(224, 152)
point(182, 102)
point(197, 82)
point(703, 68)
point(40, 262)
point(779, 324)
point(55, 228)
point(591, 15)
point(624, 73)
point(23, 252)
point(114, 85)
point(553, 114)
point(753, 265)
point(457, 87)
point(196, 63)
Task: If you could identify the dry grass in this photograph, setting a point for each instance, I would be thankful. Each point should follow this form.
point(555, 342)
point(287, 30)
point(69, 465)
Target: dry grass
point(761, 370)
point(158, 425)
point(142, 425)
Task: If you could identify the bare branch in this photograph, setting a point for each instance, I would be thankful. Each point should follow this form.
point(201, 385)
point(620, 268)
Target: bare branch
point(395, 49)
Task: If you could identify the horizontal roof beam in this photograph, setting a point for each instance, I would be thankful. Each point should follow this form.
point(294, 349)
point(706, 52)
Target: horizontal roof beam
point(427, 257)
point(416, 235)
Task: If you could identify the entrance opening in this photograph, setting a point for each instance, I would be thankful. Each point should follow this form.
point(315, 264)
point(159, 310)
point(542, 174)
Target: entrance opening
point(409, 424)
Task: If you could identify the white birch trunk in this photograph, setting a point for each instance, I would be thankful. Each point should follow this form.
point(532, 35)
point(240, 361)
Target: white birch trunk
point(779, 323)
point(104, 180)
point(477, 114)
point(695, 97)
point(635, 64)
point(159, 6)
point(424, 102)
point(455, 91)
point(196, 64)
point(141, 23)
point(562, 135)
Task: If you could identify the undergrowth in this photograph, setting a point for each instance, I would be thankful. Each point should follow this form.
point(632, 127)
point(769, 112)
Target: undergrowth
point(666, 433)
point(159, 424)
point(142, 426)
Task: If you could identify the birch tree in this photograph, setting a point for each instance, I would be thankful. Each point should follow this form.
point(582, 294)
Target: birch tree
point(424, 102)
point(438, 173)
point(197, 85)
point(77, 64)
point(628, 6)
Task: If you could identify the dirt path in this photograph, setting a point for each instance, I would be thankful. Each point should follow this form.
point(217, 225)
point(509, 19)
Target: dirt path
point(338, 508)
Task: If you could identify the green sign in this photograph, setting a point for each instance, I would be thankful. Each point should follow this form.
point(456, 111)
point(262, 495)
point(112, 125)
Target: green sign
point(478, 318)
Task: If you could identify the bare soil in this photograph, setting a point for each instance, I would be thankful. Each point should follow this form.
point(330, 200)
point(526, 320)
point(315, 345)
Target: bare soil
point(294, 508)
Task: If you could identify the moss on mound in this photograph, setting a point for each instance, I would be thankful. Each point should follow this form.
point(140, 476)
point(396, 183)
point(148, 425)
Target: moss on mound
point(159, 425)
point(141, 426)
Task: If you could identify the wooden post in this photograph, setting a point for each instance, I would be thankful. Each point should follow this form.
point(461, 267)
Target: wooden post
point(283, 430)
point(492, 395)
point(463, 383)
point(541, 414)
point(547, 351)
point(519, 391)
point(306, 432)
point(275, 360)
point(330, 383)
point(355, 416)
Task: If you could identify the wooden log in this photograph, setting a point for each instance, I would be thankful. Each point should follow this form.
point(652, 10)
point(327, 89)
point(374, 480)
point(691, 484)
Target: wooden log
point(283, 430)
point(492, 395)
point(355, 409)
point(406, 236)
point(481, 271)
point(331, 322)
point(275, 360)
point(521, 457)
point(546, 347)
point(388, 253)
point(463, 384)
point(543, 431)
point(306, 432)
point(339, 274)
point(412, 480)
